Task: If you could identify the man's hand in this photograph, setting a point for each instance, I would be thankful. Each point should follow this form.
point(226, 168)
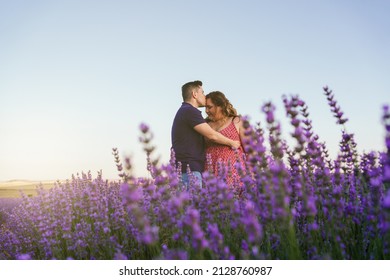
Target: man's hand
point(236, 144)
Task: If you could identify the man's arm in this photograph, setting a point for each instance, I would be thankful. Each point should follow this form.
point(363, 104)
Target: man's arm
point(205, 130)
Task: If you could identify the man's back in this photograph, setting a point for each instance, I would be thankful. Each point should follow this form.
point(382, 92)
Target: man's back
point(187, 144)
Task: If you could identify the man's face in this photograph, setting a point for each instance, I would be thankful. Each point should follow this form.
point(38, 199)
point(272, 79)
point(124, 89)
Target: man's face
point(200, 97)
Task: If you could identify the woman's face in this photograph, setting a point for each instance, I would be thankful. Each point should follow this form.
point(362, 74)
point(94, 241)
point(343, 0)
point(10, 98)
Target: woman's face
point(214, 112)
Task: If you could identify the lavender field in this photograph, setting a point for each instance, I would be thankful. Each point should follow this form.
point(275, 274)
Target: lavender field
point(297, 203)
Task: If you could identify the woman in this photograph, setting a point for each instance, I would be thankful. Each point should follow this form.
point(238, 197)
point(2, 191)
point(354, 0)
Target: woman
point(222, 117)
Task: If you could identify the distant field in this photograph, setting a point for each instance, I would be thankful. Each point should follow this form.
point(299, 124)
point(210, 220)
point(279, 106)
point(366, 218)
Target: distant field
point(12, 188)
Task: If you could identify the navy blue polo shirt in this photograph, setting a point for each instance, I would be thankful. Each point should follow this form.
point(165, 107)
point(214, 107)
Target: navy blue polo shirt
point(188, 144)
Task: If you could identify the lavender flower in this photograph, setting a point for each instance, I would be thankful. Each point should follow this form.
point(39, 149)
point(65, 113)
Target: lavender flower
point(296, 203)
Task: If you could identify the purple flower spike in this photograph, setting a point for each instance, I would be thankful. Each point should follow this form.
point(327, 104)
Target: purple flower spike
point(24, 257)
point(333, 105)
point(386, 201)
point(144, 128)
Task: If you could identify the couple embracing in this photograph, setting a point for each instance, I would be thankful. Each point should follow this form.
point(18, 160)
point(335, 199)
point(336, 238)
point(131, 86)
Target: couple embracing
point(208, 144)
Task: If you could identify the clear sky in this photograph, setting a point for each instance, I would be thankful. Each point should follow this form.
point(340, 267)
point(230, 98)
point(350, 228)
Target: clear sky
point(78, 77)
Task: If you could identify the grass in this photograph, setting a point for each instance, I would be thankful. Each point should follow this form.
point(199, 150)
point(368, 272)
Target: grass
point(12, 189)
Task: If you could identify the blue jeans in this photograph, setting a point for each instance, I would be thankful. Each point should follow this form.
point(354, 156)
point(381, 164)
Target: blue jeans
point(197, 177)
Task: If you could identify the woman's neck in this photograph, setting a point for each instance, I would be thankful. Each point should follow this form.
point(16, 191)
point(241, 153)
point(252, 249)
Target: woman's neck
point(221, 120)
point(220, 123)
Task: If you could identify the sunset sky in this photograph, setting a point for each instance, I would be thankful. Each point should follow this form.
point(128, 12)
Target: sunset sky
point(77, 78)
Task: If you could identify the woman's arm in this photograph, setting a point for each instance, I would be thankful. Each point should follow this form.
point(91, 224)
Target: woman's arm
point(241, 131)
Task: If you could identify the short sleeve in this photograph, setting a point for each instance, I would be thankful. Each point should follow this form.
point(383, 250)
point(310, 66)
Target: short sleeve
point(195, 117)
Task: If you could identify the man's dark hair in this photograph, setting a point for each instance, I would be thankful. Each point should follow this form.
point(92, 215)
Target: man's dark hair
point(186, 89)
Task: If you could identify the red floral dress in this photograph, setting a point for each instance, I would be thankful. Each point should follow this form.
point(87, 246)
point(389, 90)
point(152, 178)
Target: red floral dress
point(217, 154)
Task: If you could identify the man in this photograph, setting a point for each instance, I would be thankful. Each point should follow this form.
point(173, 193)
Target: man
point(189, 129)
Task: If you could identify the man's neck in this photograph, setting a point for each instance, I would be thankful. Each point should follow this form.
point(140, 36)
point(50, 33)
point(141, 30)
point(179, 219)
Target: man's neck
point(193, 103)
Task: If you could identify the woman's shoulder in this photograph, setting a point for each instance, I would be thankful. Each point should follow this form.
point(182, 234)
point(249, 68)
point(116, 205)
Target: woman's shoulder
point(236, 119)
